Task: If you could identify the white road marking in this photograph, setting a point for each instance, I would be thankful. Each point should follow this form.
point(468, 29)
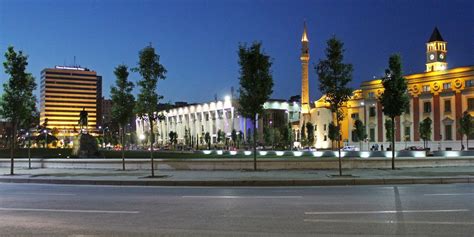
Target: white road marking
point(382, 212)
point(66, 210)
point(447, 194)
point(238, 197)
point(389, 222)
point(47, 194)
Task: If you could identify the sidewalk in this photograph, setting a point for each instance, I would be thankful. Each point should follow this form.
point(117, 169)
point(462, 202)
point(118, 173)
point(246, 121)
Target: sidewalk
point(242, 178)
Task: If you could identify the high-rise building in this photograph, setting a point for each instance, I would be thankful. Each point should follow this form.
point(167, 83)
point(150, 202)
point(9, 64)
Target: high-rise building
point(106, 107)
point(65, 92)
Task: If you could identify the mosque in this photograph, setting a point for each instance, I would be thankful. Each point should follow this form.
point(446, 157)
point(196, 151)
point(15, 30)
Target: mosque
point(441, 93)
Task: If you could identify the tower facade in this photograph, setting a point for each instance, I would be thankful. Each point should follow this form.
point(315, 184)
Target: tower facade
point(65, 92)
point(436, 53)
point(305, 106)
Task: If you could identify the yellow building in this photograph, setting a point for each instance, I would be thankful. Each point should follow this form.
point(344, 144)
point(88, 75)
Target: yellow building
point(65, 92)
point(439, 93)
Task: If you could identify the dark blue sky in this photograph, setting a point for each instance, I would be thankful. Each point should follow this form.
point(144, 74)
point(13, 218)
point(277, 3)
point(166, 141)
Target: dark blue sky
point(197, 40)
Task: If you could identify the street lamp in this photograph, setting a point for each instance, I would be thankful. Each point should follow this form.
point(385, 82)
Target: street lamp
point(29, 151)
point(45, 131)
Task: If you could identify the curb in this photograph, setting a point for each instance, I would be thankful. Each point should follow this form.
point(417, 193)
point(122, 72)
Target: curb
point(269, 183)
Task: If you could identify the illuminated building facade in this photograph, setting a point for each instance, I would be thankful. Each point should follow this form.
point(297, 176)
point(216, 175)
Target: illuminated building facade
point(211, 117)
point(440, 93)
point(65, 92)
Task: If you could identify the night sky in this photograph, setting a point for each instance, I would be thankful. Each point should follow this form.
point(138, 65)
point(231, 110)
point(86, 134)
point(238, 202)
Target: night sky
point(198, 40)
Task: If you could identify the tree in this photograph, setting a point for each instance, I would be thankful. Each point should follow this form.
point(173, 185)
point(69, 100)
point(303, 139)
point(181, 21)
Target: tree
point(151, 71)
point(359, 132)
point(267, 135)
point(240, 138)
point(303, 135)
point(220, 136)
point(173, 137)
point(18, 102)
point(388, 130)
point(394, 98)
point(233, 136)
point(123, 103)
point(207, 138)
point(425, 130)
point(256, 85)
point(333, 133)
point(310, 132)
point(466, 127)
point(334, 77)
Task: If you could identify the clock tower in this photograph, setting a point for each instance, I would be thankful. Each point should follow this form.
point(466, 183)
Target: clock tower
point(436, 52)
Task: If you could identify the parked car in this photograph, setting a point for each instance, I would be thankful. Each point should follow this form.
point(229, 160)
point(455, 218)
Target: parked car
point(414, 148)
point(350, 148)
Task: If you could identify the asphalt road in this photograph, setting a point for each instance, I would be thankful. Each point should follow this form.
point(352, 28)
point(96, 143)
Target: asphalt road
point(68, 210)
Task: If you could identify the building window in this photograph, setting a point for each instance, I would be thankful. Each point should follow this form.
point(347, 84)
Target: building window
point(371, 95)
point(426, 88)
point(407, 133)
point(470, 104)
point(315, 127)
point(372, 112)
point(447, 132)
point(447, 85)
point(427, 107)
point(470, 83)
point(325, 138)
point(355, 116)
point(324, 127)
point(372, 134)
point(447, 106)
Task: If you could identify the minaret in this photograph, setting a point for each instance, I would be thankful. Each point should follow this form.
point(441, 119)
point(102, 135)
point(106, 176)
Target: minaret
point(436, 52)
point(305, 106)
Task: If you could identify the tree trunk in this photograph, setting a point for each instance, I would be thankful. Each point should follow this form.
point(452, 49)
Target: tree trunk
point(152, 140)
point(12, 147)
point(338, 144)
point(393, 143)
point(254, 143)
point(122, 138)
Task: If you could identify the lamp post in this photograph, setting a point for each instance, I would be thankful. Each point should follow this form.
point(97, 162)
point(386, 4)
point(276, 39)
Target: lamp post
point(45, 131)
point(29, 151)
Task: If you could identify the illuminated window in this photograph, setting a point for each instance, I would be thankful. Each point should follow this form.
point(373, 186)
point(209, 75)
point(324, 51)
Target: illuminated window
point(470, 104)
point(447, 86)
point(447, 106)
point(426, 88)
point(470, 83)
point(427, 107)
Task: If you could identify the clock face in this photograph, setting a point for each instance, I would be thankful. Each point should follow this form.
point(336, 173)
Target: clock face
point(441, 56)
point(431, 56)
